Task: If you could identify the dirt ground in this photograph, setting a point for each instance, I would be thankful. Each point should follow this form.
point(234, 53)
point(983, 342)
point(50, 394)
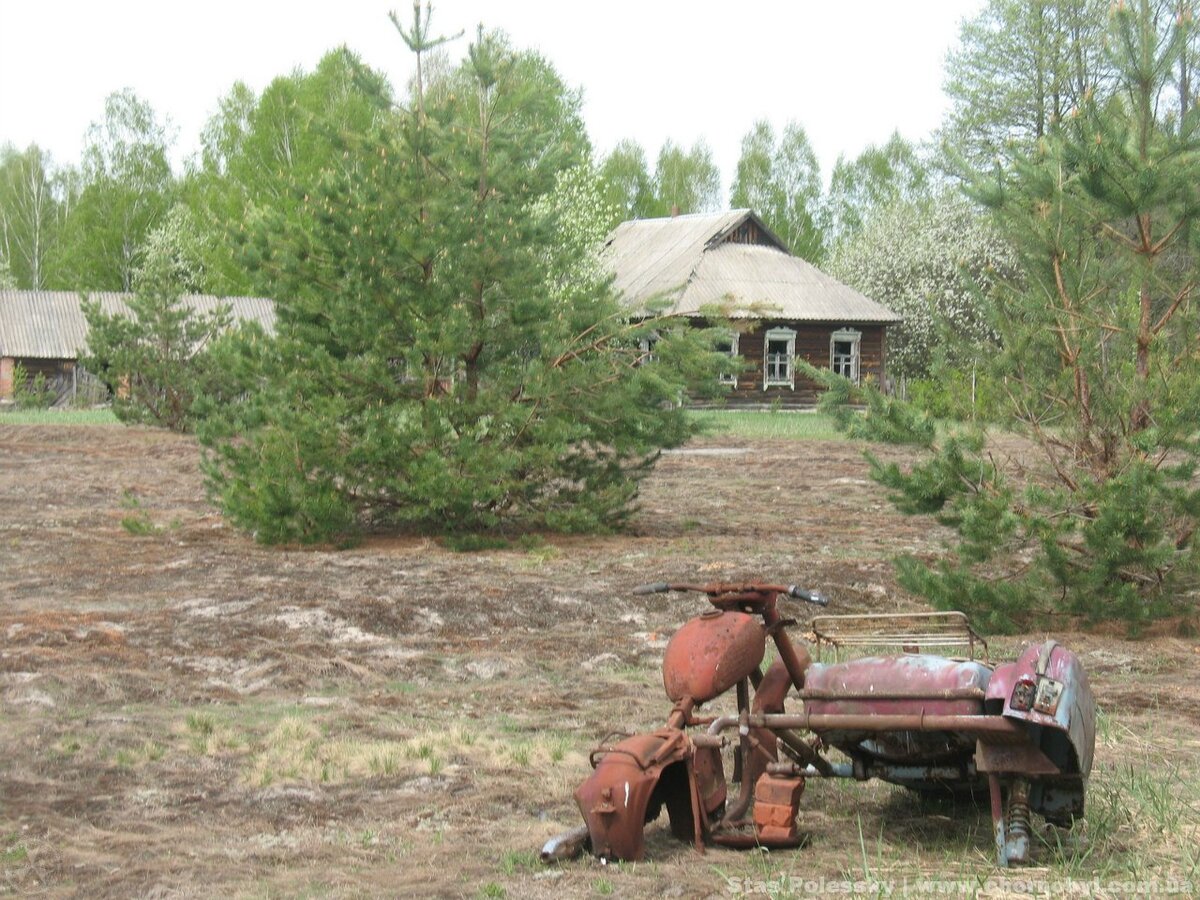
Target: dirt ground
point(186, 713)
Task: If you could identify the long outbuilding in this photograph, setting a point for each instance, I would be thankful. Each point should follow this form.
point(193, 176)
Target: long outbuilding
point(45, 332)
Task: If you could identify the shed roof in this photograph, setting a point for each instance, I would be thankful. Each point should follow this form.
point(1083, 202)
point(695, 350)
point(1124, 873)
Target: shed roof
point(688, 264)
point(51, 324)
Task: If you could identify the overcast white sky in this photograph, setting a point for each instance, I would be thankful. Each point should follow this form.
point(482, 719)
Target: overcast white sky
point(850, 71)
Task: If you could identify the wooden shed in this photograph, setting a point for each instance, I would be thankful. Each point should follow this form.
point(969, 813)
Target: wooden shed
point(782, 307)
point(45, 332)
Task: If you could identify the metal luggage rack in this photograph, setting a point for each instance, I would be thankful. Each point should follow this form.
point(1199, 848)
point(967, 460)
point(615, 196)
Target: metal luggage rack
point(908, 632)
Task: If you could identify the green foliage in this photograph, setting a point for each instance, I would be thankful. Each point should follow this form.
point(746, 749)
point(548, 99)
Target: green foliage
point(174, 251)
point(936, 263)
point(864, 412)
point(1020, 69)
point(683, 181)
point(257, 149)
point(164, 359)
point(1101, 378)
point(626, 183)
point(686, 180)
point(442, 359)
point(126, 189)
point(781, 181)
point(137, 522)
point(581, 217)
point(30, 216)
point(996, 607)
point(955, 394)
point(878, 178)
point(31, 392)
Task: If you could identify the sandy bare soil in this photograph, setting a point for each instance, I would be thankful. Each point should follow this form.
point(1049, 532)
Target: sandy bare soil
point(186, 713)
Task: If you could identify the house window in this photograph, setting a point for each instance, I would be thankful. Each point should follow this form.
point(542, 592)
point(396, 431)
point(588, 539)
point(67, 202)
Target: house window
point(844, 353)
point(779, 353)
point(646, 346)
point(728, 346)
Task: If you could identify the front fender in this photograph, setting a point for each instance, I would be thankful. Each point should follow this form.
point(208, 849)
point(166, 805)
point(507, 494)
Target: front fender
point(632, 781)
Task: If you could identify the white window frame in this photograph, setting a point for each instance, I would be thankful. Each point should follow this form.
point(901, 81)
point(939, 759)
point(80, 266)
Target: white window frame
point(731, 378)
point(646, 346)
point(789, 360)
point(854, 338)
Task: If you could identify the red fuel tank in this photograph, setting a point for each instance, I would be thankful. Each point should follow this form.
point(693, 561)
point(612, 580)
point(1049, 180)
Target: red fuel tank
point(712, 653)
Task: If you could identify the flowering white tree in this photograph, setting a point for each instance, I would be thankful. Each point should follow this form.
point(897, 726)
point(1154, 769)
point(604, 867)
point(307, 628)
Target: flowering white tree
point(581, 216)
point(174, 250)
point(932, 263)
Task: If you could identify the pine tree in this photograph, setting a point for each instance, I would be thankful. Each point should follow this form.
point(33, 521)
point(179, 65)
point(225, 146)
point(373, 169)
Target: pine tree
point(161, 357)
point(1101, 366)
point(430, 370)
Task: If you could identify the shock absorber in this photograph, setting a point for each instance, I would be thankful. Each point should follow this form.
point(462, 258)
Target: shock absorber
point(1018, 824)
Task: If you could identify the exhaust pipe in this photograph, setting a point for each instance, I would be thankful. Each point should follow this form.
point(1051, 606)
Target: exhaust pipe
point(567, 845)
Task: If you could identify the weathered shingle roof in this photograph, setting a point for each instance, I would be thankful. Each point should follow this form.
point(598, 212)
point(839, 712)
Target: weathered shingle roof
point(685, 263)
point(51, 325)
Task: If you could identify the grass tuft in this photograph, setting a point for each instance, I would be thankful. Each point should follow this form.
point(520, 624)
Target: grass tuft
point(58, 417)
point(789, 425)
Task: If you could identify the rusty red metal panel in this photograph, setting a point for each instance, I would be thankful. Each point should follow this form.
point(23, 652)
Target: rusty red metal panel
point(712, 653)
point(1049, 681)
point(621, 794)
point(896, 685)
point(710, 779)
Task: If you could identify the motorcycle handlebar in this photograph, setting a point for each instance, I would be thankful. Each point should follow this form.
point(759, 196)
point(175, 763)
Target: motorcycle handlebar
point(808, 596)
point(659, 587)
point(792, 590)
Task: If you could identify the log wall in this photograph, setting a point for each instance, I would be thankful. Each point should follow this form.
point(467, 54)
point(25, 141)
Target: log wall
point(813, 346)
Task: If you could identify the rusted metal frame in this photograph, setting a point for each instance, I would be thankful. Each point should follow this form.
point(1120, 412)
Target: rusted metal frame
point(811, 757)
point(667, 748)
point(926, 774)
point(783, 643)
point(733, 592)
point(887, 638)
point(681, 713)
point(994, 727)
point(997, 804)
point(860, 772)
point(746, 745)
point(699, 819)
point(602, 747)
point(743, 705)
point(957, 631)
point(1016, 822)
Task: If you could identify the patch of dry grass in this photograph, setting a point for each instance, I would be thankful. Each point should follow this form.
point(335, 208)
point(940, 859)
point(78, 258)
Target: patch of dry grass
point(299, 750)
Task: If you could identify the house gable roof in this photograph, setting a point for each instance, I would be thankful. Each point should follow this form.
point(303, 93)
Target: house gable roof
point(689, 264)
point(51, 324)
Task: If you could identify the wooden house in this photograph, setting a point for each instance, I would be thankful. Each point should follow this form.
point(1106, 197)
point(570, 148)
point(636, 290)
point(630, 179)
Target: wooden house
point(45, 332)
point(782, 307)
